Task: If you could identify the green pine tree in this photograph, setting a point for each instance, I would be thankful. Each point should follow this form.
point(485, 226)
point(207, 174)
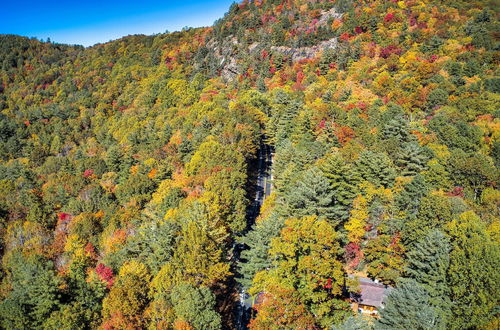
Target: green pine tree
point(375, 168)
point(408, 307)
point(473, 276)
point(256, 257)
point(411, 159)
point(196, 305)
point(409, 198)
point(342, 180)
point(398, 129)
point(35, 292)
point(433, 213)
point(428, 263)
point(312, 195)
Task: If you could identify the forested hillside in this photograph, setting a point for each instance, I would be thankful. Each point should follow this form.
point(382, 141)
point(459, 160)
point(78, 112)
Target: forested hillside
point(127, 170)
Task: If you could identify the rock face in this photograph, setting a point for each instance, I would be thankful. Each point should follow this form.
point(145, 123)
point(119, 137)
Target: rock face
point(302, 53)
point(229, 67)
point(326, 15)
point(228, 52)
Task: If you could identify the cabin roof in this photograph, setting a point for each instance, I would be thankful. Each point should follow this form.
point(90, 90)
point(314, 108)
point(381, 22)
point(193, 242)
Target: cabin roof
point(371, 293)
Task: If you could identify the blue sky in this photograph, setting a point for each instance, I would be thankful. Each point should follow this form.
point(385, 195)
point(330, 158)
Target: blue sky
point(89, 22)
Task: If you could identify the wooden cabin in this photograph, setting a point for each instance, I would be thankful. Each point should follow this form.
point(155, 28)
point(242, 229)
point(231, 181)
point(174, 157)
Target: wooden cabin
point(370, 298)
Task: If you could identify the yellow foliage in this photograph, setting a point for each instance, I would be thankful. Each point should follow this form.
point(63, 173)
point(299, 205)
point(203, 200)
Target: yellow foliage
point(337, 23)
point(440, 150)
point(267, 206)
point(134, 268)
point(385, 194)
point(356, 224)
point(494, 230)
point(75, 246)
point(171, 213)
point(134, 169)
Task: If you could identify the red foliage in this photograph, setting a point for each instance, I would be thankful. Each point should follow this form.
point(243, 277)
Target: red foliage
point(264, 54)
point(395, 240)
point(64, 217)
point(470, 47)
point(389, 50)
point(88, 173)
point(362, 105)
point(358, 30)
point(457, 191)
point(298, 85)
point(422, 25)
point(432, 59)
point(322, 124)
point(105, 274)
point(345, 36)
point(353, 254)
point(389, 17)
point(242, 5)
point(300, 77)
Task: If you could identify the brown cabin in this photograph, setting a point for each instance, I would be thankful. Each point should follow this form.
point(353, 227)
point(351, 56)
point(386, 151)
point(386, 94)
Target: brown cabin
point(370, 298)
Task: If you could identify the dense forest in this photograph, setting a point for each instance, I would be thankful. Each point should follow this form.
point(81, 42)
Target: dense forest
point(127, 170)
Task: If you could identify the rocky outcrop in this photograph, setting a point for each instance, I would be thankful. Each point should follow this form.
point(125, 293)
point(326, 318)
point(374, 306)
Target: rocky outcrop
point(302, 53)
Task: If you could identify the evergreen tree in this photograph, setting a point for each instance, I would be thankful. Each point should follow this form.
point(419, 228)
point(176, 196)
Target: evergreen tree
point(411, 158)
point(113, 157)
point(256, 257)
point(312, 195)
point(196, 306)
point(35, 292)
point(408, 307)
point(433, 213)
point(86, 295)
point(153, 244)
point(355, 323)
point(428, 263)
point(473, 276)
point(397, 129)
point(409, 198)
point(343, 181)
point(375, 168)
point(473, 171)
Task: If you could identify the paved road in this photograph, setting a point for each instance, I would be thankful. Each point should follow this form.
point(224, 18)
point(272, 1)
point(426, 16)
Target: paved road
point(263, 189)
point(264, 179)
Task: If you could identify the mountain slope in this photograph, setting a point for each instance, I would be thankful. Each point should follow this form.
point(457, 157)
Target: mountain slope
point(127, 169)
